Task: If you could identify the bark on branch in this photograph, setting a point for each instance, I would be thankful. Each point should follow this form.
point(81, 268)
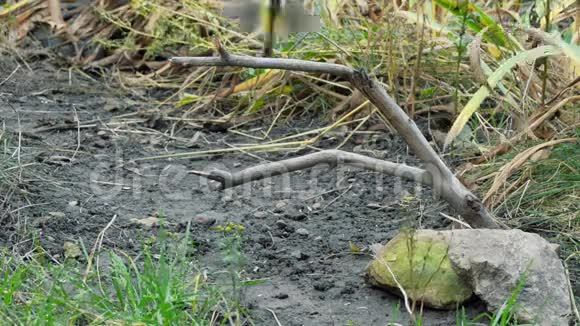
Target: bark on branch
point(331, 157)
point(443, 181)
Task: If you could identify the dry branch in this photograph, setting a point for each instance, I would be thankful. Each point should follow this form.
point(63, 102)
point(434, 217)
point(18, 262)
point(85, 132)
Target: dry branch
point(444, 182)
point(330, 157)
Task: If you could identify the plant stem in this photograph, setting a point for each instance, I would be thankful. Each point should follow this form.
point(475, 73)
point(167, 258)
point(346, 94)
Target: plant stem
point(545, 73)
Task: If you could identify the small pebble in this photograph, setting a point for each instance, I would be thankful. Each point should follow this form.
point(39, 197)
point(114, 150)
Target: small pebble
point(103, 134)
point(204, 220)
point(281, 224)
point(260, 214)
point(279, 207)
point(303, 232)
point(73, 203)
point(281, 296)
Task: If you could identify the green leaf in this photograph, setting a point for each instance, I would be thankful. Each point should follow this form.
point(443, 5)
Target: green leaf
point(476, 20)
point(188, 99)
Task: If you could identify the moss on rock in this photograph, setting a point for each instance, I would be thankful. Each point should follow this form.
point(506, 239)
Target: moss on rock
point(420, 264)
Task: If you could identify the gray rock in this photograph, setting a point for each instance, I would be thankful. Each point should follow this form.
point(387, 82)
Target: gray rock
point(281, 224)
point(260, 214)
point(492, 263)
point(280, 206)
point(302, 232)
point(284, 226)
point(203, 219)
point(208, 218)
point(495, 260)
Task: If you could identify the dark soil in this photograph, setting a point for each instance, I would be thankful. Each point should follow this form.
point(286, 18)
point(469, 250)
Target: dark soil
point(298, 228)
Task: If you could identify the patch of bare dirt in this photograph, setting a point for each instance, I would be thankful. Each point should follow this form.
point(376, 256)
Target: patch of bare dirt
point(298, 228)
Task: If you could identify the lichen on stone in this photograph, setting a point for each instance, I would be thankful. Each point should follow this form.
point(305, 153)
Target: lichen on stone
point(420, 264)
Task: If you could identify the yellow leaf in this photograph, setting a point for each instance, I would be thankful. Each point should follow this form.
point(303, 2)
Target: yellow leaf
point(492, 81)
point(494, 51)
point(147, 222)
point(257, 81)
point(353, 247)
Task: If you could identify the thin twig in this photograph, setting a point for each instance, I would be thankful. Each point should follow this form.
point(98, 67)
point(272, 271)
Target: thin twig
point(337, 197)
point(10, 76)
point(403, 292)
point(456, 220)
point(275, 317)
point(77, 120)
point(97, 247)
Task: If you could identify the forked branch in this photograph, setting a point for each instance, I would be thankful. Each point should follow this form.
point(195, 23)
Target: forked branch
point(443, 181)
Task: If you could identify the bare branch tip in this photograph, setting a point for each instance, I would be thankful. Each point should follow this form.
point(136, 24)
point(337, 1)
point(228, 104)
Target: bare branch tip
point(211, 176)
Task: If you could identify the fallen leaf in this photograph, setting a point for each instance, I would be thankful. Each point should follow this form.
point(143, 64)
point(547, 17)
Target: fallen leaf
point(148, 222)
point(354, 247)
point(257, 81)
